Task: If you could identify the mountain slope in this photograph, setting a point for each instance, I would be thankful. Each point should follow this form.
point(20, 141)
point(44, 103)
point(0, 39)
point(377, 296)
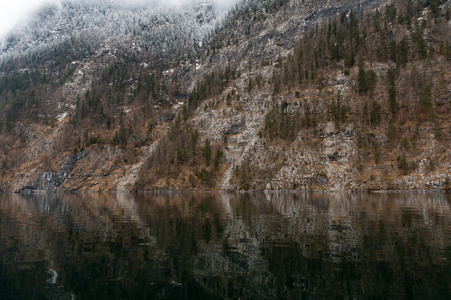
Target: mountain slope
point(324, 95)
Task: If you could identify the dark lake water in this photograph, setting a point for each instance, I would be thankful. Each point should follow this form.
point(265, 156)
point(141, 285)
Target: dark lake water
point(225, 246)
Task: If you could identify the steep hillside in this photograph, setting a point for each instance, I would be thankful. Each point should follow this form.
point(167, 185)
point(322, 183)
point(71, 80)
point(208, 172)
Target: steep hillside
point(88, 75)
point(318, 95)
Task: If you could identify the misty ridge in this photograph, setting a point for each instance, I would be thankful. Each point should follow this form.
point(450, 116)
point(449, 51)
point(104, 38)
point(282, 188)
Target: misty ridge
point(114, 22)
point(220, 5)
point(24, 11)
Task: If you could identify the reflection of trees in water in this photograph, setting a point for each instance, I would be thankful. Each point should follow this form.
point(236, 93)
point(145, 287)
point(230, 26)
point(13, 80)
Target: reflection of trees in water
point(374, 245)
point(84, 214)
point(95, 243)
point(280, 245)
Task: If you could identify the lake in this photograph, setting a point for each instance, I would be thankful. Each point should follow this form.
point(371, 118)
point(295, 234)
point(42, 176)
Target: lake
point(225, 246)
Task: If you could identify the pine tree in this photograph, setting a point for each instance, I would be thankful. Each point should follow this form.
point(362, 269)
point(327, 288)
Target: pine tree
point(207, 151)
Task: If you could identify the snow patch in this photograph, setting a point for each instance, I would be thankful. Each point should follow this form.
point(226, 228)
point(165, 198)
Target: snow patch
point(178, 105)
point(61, 117)
point(54, 275)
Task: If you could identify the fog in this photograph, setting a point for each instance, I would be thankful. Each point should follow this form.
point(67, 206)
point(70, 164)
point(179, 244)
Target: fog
point(16, 13)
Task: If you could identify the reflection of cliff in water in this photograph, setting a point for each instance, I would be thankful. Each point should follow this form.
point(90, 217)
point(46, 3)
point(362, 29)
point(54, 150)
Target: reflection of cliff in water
point(192, 245)
point(323, 244)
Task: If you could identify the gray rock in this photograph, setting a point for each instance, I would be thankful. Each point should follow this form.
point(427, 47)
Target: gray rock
point(333, 158)
point(236, 127)
point(168, 117)
point(50, 181)
point(320, 179)
point(347, 133)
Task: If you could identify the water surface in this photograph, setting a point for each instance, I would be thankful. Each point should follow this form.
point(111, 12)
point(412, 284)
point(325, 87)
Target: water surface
point(225, 246)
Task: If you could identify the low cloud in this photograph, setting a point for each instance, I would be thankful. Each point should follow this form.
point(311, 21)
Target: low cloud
point(17, 12)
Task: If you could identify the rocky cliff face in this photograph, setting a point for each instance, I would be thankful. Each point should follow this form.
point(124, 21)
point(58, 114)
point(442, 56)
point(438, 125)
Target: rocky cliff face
point(316, 95)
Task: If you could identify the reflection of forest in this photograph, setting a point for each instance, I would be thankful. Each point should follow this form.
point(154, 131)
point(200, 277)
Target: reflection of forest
point(192, 245)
